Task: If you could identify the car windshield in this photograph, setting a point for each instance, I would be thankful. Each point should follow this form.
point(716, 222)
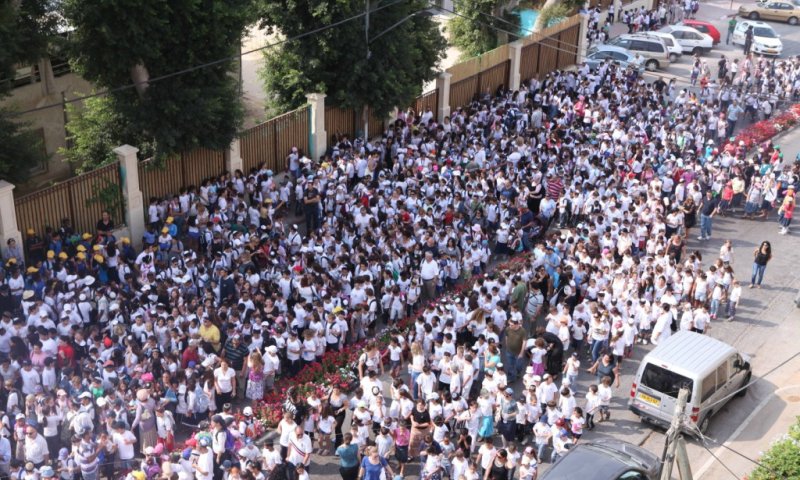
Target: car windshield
point(764, 32)
point(664, 381)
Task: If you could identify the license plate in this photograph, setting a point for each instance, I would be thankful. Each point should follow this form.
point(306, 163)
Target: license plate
point(648, 399)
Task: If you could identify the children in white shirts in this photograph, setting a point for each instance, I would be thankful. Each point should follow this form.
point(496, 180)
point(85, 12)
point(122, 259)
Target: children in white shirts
point(604, 394)
point(576, 422)
point(733, 299)
point(592, 406)
point(572, 368)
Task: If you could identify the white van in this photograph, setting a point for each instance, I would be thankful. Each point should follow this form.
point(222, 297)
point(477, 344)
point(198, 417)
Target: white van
point(712, 370)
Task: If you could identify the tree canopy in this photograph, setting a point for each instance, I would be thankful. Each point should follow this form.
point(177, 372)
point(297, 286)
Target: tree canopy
point(479, 26)
point(118, 42)
point(334, 61)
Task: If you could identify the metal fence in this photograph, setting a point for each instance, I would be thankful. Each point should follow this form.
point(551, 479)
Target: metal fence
point(425, 101)
point(160, 179)
point(270, 142)
point(81, 199)
point(554, 49)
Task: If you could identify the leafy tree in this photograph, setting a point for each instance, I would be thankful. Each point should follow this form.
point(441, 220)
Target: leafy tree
point(554, 9)
point(26, 29)
point(119, 42)
point(334, 61)
point(480, 26)
point(95, 130)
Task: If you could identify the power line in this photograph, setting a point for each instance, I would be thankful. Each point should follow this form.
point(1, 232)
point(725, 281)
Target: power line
point(704, 438)
point(721, 462)
point(206, 65)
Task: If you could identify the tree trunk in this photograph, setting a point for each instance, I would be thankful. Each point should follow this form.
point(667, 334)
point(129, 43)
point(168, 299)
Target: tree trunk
point(140, 77)
point(541, 19)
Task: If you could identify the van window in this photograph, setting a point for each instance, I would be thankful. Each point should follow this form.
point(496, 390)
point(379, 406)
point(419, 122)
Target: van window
point(722, 375)
point(665, 381)
point(709, 386)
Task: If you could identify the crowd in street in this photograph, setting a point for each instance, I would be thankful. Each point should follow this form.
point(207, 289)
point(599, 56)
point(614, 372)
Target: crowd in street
point(106, 350)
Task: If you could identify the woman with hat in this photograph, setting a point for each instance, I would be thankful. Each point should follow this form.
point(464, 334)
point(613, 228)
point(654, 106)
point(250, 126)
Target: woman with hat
point(145, 419)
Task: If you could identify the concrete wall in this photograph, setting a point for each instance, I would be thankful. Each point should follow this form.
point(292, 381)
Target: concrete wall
point(51, 120)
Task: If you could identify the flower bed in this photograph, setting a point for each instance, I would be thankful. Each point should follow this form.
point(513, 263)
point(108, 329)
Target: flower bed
point(338, 368)
point(766, 129)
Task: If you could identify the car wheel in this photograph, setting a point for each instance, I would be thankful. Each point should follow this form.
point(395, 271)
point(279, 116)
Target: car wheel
point(743, 391)
point(673, 57)
point(651, 65)
point(792, 20)
point(697, 51)
point(753, 16)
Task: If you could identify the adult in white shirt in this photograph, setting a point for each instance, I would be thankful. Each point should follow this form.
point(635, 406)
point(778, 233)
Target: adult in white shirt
point(36, 450)
point(299, 450)
point(429, 272)
point(30, 378)
point(124, 441)
point(663, 327)
point(224, 383)
point(203, 461)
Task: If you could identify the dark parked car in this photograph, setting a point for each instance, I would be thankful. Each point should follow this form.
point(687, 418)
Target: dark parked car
point(605, 460)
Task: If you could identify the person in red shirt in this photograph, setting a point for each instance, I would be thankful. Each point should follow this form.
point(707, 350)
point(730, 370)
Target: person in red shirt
point(65, 353)
point(190, 355)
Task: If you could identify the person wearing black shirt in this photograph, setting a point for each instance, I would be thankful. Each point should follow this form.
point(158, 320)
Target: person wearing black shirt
point(311, 208)
point(708, 208)
point(105, 226)
point(420, 424)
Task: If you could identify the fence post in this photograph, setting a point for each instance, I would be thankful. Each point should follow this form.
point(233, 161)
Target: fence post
point(318, 137)
point(131, 191)
point(515, 68)
point(443, 87)
point(8, 216)
point(233, 157)
point(583, 43)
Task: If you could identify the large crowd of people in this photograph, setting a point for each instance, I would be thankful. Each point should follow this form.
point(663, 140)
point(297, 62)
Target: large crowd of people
point(108, 351)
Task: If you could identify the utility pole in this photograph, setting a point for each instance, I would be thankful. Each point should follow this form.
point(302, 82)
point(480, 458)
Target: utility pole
point(675, 445)
point(682, 458)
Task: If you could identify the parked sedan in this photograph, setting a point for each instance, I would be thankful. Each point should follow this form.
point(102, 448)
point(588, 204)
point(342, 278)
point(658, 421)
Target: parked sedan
point(703, 27)
point(605, 460)
point(690, 40)
point(772, 10)
point(620, 56)
point(765, 40)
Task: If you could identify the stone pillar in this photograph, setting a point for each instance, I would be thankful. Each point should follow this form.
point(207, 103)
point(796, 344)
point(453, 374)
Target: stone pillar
point(8, 216)
point(318, 137)
point(443, 87)
point(131, 192)
point(515, 55)
point(233, 157)
point(583, 42)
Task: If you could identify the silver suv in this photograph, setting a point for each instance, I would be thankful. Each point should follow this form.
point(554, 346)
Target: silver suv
point(652, 48)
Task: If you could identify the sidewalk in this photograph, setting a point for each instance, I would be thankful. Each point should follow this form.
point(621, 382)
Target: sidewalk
point(768, 422)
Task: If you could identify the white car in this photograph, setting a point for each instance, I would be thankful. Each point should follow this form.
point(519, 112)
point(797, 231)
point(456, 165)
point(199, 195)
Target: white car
point(675, 50)
point(690, 40)
point(765, 40)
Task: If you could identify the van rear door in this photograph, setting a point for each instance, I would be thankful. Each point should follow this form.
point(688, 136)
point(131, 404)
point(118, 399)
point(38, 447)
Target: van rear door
point(658, 389)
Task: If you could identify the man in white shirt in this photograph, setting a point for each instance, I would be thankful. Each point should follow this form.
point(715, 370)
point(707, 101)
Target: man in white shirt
point(124, 441)
point(36, 450)
point(299, 452)
point(429, 272)
point(203, 460)
point(271, 456)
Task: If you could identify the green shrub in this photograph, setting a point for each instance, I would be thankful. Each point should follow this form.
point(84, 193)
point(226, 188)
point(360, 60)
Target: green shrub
point(782, 460)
